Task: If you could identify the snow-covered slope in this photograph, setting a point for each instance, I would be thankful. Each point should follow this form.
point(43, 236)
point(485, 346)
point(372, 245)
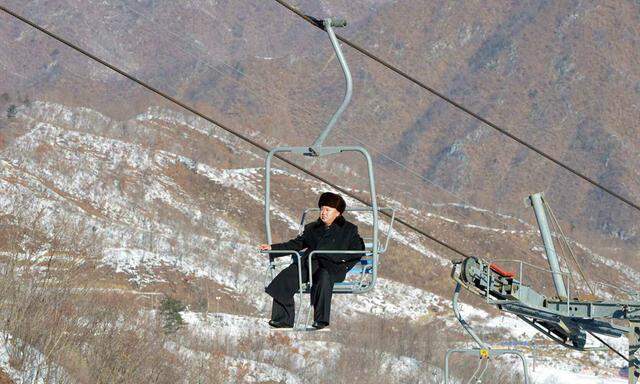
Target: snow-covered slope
point(164, 195)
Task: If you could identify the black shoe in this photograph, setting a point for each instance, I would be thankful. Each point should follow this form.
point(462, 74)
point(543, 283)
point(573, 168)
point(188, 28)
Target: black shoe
point(279, 324)
point(319, 325)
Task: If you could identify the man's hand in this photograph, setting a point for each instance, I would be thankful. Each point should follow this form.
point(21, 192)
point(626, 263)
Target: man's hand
point(264, 247)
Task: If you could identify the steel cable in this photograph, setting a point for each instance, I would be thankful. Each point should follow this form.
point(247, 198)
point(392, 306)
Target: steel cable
point(219, 124)
point(233, 132)
point(310, 115)
point(465, 109)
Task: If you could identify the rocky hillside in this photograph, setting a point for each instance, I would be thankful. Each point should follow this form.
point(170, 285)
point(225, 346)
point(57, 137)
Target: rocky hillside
point(123, 209)
point(124, 199)
point(562, 76)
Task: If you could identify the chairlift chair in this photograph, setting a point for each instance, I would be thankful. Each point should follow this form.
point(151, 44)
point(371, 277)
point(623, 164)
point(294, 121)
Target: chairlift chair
point(483, 351)
point(361, 277)
point(367, 269)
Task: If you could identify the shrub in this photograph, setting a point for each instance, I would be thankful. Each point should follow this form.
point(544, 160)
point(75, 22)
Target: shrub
point(12, 111)
point(170, 309)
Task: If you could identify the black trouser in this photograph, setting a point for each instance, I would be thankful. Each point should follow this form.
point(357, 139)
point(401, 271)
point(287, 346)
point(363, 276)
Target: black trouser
point(285, 285)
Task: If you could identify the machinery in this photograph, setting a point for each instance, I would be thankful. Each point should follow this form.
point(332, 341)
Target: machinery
point(562, 318)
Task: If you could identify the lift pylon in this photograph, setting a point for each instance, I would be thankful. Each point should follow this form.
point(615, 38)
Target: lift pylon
point(563, 319)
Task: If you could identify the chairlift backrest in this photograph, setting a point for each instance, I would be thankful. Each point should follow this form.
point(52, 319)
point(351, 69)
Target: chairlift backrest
point(368, 241)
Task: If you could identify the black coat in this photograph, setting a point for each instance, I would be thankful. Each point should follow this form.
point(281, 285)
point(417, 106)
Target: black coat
point(340, 236)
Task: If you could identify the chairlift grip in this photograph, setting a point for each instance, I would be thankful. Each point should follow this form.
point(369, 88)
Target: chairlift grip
point(337, 22)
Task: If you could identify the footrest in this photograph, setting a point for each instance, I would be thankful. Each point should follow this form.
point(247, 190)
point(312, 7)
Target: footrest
point(359, 270)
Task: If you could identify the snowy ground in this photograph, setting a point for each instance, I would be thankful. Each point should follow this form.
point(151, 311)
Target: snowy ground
point(305, 354)
point(65, 130)
point(234, 327)
point(35, 369)
point(554, 375)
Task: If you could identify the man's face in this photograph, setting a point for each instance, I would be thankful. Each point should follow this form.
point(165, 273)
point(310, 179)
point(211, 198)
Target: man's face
point(328, 214)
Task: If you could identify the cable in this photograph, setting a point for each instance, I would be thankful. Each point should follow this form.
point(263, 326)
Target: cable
point(464, 109)
point(241, 136)
point(610, 347)
point(224, 127)
point(190, 40)
point(490, 124)
point(305, 110)
point(566, 241)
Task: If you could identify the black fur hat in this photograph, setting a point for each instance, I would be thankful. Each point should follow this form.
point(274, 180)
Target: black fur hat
point(332, 200)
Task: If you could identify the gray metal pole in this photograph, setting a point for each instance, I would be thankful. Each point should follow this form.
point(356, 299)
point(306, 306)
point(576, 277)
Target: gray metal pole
point(267, 195)
point(267, 186)
point(374, 207)
point(552, 257)
point(634, 346)
point(465, 325)
point(347, 77)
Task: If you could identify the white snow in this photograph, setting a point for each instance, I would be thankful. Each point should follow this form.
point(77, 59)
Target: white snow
point(245, 180)
point(225, 254)
point(36, 369)
point(198, 124)
point(225, 324)
point(239, 368)
point(391, 299)
point(478, 227)
point(554, 375)
point(517, 329)
point(486, 211)
point(257, 372)
point(310, 355)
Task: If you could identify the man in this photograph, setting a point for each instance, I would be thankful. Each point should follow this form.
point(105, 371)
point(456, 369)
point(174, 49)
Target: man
point(330, 232)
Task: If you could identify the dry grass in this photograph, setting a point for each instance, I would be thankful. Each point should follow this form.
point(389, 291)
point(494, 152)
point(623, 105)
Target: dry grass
point(48, 304)
point(107, 337)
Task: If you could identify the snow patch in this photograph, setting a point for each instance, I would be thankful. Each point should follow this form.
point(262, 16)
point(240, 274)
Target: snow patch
point(35, 368)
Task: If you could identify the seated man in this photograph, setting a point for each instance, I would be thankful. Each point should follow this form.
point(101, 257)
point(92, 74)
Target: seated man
point(330, 232)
